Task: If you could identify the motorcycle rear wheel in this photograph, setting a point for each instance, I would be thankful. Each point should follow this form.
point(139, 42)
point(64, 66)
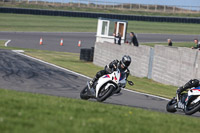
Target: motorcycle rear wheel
point(83, 94)
point(104, 94)
point(171, 106)
point(191, 109)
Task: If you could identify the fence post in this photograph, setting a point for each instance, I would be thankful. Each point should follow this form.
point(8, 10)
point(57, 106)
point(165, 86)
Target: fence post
point(139, 7)
point(150, 68)
point(164, 8)
point(96, 4)
point(130, 6)
point(70, 3)
point(122, 6)
point(174, 9)
point(196, 65)
point(156, 7)
point(88, 3)
point(79, 4)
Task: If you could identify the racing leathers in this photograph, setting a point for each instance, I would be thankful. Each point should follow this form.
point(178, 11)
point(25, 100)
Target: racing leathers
point(189, 84)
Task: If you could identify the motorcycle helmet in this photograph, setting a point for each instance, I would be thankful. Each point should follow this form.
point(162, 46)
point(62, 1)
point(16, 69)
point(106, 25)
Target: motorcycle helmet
point(126, 61)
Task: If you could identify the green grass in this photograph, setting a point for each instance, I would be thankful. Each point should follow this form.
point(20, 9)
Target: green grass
point(2, 42)
point(99, 10)
point(176, 44)
point(18, 22)
point(22, 112)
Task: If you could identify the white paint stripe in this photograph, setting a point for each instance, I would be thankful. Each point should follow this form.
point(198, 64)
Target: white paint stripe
point(147, 94)
point(6, 44)
point(84, 75)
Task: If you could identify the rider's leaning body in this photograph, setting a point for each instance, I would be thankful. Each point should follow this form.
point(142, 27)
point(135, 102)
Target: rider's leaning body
point(189, 84)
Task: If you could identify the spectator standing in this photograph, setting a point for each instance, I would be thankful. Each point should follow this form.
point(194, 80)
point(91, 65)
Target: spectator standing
point(169, 42)
point(114, 38)
point(117, 39)
point(197, 44)
point(134, 40)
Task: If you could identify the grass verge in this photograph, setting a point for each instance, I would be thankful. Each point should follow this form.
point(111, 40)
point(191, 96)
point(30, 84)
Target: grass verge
point(2, 43)
point(26, 112)
point(19, 22)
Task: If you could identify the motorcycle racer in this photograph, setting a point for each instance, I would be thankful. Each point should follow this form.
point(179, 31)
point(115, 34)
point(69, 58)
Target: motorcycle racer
point(189, 84)
point(122, 65)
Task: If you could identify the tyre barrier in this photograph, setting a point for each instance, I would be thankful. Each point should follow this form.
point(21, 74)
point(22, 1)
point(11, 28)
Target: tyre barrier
point(87, 54)
point(97, 15)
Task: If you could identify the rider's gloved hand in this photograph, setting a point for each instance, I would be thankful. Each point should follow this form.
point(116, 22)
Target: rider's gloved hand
point(179, 90)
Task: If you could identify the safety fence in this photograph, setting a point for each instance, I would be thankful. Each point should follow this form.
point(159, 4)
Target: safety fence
point(97, 15)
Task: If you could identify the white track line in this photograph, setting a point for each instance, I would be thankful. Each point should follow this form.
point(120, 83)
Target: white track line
point(147, 94)
point(19, 52)
point(6, 44)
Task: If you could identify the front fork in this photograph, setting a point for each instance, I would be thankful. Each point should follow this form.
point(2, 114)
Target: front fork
point(91, 91)
point(180, 104)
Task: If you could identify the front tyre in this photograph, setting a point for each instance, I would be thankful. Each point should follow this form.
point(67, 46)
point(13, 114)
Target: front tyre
point(171, 106)
point(83, 94)
point(104, 93)
point(192, 108)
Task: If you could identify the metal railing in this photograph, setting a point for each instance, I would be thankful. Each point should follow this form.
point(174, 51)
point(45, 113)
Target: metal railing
point(111, 5)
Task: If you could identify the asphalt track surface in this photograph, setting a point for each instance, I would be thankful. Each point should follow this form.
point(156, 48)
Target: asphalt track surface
point(18, 72)
point(51, 41)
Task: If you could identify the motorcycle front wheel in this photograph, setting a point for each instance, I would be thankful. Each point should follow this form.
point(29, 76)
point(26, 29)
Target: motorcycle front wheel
point(192, 108)
point(104, 93)
point(171, 106)
point(83, 94)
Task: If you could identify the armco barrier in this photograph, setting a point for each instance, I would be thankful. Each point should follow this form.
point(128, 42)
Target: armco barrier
point(168, 65)
point(97, 15)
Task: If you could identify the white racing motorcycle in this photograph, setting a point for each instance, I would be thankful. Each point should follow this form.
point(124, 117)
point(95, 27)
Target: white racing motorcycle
point(106, 86)
point(188, 102)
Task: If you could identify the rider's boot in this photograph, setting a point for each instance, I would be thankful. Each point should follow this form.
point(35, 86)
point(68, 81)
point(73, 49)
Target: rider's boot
point(92, 82)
